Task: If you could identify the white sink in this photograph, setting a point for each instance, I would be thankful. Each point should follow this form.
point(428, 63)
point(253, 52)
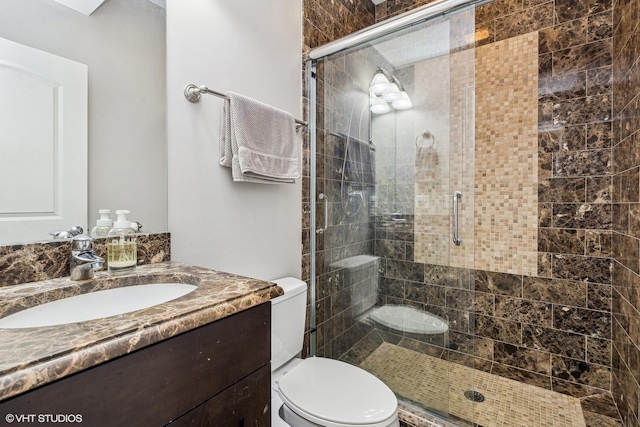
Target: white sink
point(96, 305)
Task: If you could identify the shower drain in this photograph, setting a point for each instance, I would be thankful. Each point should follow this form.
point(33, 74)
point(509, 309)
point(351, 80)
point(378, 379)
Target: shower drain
point(473, 395)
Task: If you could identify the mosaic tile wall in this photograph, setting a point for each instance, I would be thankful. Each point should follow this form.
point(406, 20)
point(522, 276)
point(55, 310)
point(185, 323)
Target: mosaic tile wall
point(626, 205)
point(462, 143)
point(424, 167)
point(431, 162)
point(506, 155)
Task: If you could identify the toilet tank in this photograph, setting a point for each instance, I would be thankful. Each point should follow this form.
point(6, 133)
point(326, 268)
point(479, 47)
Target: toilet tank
point(287, 321)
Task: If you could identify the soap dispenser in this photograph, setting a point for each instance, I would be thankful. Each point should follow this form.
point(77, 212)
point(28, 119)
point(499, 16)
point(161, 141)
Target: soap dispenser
point(103, 225)
point(122, 254)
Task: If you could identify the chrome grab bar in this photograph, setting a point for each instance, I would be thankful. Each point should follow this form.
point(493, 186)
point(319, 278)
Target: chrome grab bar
point(322, 229)
point(456, 196)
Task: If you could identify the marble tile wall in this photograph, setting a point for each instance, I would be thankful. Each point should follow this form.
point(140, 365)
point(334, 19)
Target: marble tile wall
point(626, 205)
point(562, 314)
point(535, 330)
point(551, 328)
point(32, 262)
point(344, 175)
point(323, 22)
point(328, 20)
point(390, 8)
point(345, 294)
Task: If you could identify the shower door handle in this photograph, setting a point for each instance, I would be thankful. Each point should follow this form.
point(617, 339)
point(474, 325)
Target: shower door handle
point(456, 196)
point(322, 229)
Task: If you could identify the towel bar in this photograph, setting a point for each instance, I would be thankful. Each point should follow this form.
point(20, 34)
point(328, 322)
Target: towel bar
point(193, 94)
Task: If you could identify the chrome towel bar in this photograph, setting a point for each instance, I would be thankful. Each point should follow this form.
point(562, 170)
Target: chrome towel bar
point(193, 94)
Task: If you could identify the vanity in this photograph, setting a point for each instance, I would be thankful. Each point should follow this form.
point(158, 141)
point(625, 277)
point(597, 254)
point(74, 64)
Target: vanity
point(201, 359)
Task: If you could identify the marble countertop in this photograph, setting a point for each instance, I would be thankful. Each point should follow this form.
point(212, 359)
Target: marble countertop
point(33, 357)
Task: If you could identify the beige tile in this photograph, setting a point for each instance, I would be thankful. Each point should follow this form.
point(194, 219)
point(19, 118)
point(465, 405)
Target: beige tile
point(439, 386)
point(506, 189)
point(498, 216)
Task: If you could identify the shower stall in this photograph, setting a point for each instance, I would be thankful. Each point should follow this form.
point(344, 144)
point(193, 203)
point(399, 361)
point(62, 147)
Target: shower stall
point(425, 268)
point(392, 147)
point(471, 232)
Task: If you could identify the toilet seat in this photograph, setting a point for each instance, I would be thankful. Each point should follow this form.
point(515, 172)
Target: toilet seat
point(332, 393)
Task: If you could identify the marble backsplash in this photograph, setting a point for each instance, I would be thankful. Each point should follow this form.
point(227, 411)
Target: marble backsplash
point(32, 262)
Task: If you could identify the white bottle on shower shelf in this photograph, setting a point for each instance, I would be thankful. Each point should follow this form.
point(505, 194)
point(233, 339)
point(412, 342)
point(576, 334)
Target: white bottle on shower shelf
point(122, 253)
point(103, 225)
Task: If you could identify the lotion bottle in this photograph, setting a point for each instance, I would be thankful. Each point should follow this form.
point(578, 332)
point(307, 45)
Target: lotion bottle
point(122, 253)
point(103, 225)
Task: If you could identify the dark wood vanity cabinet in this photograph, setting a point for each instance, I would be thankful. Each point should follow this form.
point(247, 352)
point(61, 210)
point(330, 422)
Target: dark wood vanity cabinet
point(215, 375)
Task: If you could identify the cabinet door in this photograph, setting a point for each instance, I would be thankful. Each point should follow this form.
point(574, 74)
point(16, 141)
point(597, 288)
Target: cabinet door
point(245, 403)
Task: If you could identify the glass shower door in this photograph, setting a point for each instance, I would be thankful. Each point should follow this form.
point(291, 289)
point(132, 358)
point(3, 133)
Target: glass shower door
point(394, 143)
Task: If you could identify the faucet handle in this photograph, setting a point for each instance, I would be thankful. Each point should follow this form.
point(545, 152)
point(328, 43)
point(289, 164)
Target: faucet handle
point(76, 230)
point(59, 234)
point(65, 234)
point(81, 242)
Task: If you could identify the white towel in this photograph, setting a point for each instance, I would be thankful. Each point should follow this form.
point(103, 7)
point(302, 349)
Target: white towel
point(258, 142)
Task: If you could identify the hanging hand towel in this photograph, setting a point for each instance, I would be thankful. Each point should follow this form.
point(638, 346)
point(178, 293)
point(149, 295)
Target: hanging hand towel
point(258, 142)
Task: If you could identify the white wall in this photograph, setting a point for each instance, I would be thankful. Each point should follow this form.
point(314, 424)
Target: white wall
point(250, 47)
point(123, 45)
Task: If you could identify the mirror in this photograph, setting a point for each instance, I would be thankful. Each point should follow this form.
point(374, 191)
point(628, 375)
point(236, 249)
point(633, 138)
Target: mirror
point(43, 145)
point(123, 45)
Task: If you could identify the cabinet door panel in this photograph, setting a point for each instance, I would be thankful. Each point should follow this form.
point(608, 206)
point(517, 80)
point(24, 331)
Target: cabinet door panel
point(245, 403)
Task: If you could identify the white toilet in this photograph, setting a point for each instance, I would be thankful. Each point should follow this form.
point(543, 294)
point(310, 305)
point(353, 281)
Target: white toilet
point(319, 391)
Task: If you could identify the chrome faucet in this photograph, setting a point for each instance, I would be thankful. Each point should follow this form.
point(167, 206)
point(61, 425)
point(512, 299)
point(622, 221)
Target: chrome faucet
point(84, 261)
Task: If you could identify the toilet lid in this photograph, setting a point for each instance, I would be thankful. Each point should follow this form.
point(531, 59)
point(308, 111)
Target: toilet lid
point(334, 393)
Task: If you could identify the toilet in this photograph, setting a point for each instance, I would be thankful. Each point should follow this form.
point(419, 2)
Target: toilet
point(318, 391)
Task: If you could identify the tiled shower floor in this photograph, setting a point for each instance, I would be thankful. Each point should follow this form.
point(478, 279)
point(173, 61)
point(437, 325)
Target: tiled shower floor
point(439, 385)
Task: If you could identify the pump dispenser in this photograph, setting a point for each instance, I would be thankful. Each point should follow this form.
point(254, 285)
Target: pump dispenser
point(122, 254)
point(103, 225)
